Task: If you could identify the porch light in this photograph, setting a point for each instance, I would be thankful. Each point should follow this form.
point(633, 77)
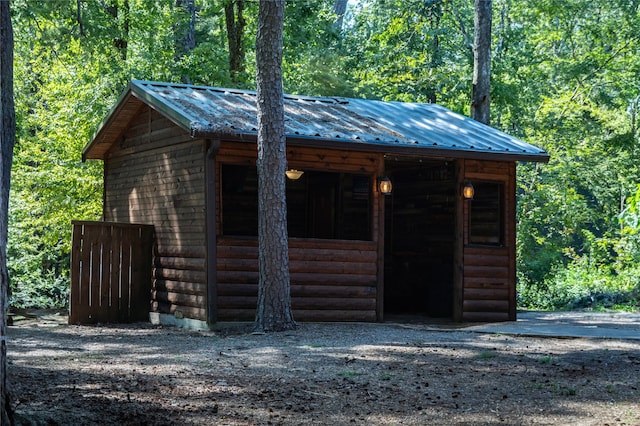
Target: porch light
point(468, 191)
point(294, 174)
point(384, 185)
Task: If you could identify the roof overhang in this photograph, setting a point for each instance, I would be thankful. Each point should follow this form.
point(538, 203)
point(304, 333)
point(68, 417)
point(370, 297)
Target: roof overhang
point(422, 130)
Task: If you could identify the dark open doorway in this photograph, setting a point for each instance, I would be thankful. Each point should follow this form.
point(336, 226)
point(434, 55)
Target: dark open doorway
point(419, 238)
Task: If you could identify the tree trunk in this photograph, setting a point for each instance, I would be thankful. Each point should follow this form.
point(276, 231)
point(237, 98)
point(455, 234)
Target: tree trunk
point(7, 141)
point(481, 62)
point(273, 312)
point(233, 12)
point(339, 8)
point(79, 17)
point(185, 31)
point(121, 16)
point(436, 55)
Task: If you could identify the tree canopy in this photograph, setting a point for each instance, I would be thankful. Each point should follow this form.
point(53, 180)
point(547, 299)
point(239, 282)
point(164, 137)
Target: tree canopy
point(563, 76)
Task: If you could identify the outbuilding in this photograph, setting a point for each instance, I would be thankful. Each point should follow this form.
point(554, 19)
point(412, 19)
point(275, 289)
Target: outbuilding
point(393, 208)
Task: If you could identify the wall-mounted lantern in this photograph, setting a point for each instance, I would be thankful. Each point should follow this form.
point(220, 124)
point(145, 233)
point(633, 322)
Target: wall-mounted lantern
point(294, 174)
point(468, 191)
point(385, 186)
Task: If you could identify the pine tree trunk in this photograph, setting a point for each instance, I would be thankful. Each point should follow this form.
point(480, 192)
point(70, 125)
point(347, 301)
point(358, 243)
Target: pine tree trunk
point(481, 62)
point(7, 141)
point(273, 312)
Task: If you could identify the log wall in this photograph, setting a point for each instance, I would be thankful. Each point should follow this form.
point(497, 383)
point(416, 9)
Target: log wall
point(489, 277)
point(330, 280)
point(157, 176)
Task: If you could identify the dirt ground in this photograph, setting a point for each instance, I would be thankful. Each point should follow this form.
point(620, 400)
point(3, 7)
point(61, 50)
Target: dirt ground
point(337, 374)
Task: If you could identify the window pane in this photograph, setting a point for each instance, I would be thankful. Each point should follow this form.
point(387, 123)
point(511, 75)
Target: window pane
point(329, 205)
point(485, 215)
point(239, 200)
point(319, 204)
point(355, 223)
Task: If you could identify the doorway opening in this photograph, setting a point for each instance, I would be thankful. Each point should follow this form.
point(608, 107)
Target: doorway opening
point(420, 238)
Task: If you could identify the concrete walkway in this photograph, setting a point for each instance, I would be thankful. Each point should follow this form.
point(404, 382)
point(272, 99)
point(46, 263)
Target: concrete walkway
point(597, 325)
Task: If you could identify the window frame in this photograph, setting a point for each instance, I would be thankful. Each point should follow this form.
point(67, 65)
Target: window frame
point(339, 226)
point(483, 240)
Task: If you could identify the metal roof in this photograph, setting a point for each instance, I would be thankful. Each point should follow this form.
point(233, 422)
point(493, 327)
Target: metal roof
point(359, 124)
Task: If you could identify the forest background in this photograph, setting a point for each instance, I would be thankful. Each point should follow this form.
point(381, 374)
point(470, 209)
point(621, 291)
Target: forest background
point(565, 77)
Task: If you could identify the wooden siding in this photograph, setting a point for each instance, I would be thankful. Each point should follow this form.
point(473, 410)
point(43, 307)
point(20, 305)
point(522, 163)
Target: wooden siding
point(488, 291)
point(157, 176)
point(330, 280)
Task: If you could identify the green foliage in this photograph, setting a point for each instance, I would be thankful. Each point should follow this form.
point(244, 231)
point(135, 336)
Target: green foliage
point(313, 61)
point(581, 87)
point(411, 51)
point(564, 76)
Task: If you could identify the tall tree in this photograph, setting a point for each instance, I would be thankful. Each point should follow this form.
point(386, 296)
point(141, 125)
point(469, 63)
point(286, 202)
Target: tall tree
point(481, 61)
point(274, 298)
point(234, 17)
point(185, 28)
point(121, 14)
point(185, 32)
point(7, 141)
point(339, 8)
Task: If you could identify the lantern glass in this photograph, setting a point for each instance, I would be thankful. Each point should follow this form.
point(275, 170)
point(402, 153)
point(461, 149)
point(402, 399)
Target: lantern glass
point(385, 186)
point(468, 191)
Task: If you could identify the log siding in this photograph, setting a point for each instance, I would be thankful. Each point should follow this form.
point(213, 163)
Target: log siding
point(488, 272)
point(331, 280)
point(156, 175)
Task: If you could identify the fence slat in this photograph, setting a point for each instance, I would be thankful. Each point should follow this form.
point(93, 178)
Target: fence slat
point(94, 236)
point(102, 314)
point(110, 272)
point(114, 282)
point(75, 305)
point(125, 277)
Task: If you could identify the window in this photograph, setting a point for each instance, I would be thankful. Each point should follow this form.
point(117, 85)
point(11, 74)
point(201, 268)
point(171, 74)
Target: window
point(486, 212)
point(319, 204)
point(239, 200)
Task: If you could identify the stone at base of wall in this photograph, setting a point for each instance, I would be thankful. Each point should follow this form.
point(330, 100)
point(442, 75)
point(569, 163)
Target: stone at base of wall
point(157, 318)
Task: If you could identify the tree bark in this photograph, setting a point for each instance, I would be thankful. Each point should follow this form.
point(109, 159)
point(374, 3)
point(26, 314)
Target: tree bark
point(7, 141)
point(339, 8)
point(79, 17)
point(273, 312)
point(480, 99)
point(121, 42)
point(185, 31)
point(233, 12)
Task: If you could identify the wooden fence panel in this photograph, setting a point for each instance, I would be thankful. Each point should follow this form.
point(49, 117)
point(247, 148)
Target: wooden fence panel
point(110, 272)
